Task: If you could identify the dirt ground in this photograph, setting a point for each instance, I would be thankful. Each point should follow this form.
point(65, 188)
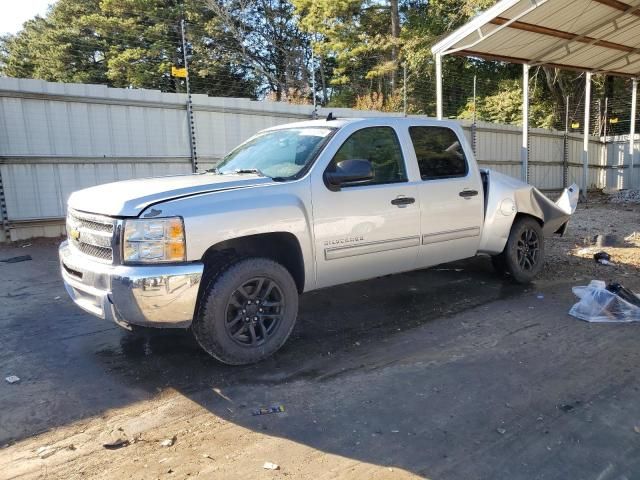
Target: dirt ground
point(446, 373)
point(566, 255)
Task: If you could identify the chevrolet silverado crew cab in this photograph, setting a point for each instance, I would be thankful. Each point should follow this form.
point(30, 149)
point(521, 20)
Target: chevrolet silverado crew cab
point(296, 208)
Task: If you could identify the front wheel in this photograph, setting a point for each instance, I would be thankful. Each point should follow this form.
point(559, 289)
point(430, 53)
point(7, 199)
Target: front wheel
point(247, 312)
point(523, 256)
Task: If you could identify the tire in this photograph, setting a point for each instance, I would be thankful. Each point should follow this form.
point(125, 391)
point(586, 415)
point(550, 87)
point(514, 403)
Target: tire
point(523, 256)
point(247, 311)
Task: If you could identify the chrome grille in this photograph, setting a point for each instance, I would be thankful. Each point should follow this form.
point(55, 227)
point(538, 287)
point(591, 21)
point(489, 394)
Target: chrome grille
point(91, 234)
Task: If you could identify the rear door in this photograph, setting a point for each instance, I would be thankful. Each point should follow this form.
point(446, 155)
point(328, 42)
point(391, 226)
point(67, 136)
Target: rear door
point(366, 229)
point(450, 193)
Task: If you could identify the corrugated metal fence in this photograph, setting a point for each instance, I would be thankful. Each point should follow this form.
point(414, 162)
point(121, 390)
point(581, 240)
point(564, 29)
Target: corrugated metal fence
point(56, 138)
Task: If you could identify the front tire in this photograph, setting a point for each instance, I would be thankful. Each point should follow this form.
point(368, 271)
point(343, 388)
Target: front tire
point(247, 312)
point(523, 256)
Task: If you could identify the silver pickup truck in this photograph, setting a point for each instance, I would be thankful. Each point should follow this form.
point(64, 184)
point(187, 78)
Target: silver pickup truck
point(296, 208)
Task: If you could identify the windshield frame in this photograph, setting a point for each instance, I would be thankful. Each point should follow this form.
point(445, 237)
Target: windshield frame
point(305, 169)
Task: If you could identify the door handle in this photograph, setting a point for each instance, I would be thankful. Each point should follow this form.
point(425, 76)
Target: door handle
point(468, 193)
point(402, 201)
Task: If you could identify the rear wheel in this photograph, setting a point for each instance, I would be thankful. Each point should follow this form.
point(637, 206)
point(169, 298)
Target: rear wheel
point(247, 312)
point(523, 256)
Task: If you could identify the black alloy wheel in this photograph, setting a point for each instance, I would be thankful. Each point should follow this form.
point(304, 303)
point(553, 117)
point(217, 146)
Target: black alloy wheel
point(528, 249)
point(254, 311)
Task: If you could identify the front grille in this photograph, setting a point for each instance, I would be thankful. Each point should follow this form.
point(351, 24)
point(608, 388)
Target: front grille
point(91, 234)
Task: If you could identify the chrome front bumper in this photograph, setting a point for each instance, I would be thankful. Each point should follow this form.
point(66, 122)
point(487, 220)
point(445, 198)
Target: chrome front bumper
point(154, 295)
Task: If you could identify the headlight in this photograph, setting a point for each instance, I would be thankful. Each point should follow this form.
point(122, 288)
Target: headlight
point(154, 241)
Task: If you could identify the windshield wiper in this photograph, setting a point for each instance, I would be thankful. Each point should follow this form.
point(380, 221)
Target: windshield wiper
point(250, 170)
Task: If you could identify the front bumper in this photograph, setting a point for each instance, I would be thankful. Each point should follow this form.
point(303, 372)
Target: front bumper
point(154, 295)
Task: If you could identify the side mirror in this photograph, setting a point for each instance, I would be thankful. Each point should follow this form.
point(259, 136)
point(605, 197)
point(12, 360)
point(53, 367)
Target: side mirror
point(349, 172)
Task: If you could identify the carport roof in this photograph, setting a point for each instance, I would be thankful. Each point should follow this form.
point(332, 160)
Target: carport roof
point(600, 36)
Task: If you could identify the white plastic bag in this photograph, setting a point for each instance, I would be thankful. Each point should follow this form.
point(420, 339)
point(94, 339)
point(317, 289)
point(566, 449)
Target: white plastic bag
point(597, 304)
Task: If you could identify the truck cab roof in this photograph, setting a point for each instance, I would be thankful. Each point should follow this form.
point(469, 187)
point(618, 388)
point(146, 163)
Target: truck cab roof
point(369, 121)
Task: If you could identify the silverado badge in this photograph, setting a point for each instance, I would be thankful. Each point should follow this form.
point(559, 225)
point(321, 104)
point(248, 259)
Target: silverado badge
point(74, 234)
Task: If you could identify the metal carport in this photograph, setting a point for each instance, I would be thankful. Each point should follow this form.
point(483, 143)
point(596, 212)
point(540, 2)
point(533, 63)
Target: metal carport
point(594, 36)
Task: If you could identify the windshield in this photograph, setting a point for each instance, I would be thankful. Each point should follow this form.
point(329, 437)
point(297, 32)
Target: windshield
point(278, 153)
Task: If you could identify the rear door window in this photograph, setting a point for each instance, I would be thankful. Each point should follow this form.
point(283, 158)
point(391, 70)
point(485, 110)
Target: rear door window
point(439, 153)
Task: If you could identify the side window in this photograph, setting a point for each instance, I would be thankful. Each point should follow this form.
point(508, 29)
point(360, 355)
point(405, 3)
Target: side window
point(381, 147)
point(439, 153)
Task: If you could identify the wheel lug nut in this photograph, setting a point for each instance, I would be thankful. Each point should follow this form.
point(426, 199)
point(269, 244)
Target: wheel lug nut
point(260, 310)
point(255, 318)
point(244, 311)
point(249, 302)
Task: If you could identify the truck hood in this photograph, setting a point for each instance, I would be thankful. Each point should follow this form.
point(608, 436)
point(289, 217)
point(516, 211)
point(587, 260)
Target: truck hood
point(130, 197)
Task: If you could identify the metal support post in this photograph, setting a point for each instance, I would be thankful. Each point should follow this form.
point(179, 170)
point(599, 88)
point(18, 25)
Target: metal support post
point(4, 216)
point(605, 121)
point(565, 146)
point(585, 140)
point(524, 150)
point(190, 117)
point(632, 132)
point(474, 125)
point(439, 86)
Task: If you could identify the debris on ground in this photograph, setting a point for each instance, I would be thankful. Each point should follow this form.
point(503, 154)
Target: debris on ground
point(116, 444)
point(46, 452)
point(602, 258)
point(608, 240)
point(501, 431)
point(12, 379)
point(602, 303)
point(168, 442)
point(625, 196)
point(267, 411)
point(25, 245)
point(18, 259)
point(271, 466)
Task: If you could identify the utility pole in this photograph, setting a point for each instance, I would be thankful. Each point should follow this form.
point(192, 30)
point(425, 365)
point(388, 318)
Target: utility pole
point(404, 87)
point(314, 115)
point(190, 118)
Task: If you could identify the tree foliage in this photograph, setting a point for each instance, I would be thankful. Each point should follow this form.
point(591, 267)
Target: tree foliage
point(358, 51)
point(126, 43)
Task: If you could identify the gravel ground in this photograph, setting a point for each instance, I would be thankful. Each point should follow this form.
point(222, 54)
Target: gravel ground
point(571, 256)
point(625, 197)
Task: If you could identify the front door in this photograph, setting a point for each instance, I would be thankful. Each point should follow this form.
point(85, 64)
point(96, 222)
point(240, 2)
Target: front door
point(367, 229)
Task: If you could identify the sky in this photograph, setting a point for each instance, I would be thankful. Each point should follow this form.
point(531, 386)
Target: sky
point(13, 13)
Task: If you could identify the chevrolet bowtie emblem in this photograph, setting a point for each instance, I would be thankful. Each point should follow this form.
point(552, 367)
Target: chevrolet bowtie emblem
point(74, 234)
